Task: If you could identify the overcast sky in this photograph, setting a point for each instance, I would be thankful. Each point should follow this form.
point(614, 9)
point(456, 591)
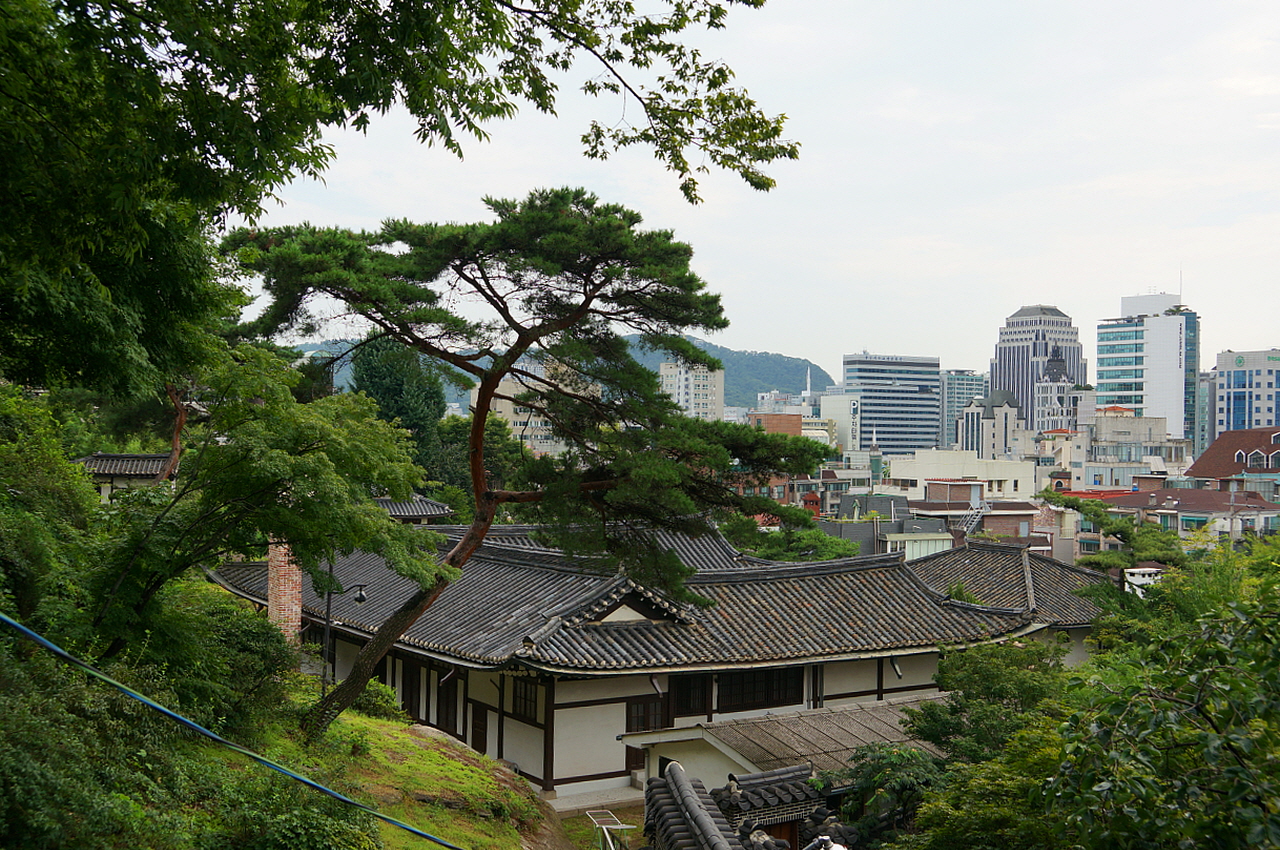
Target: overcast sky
point(959, 160)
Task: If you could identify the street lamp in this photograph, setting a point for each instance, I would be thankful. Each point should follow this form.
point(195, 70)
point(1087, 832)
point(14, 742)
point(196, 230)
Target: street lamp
point(360, 598)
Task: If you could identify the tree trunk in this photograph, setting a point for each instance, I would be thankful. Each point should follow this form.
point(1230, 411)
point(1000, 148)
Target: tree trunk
point(323, 713)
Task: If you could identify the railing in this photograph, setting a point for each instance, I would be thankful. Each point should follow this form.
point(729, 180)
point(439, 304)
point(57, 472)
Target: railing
point(606, 823)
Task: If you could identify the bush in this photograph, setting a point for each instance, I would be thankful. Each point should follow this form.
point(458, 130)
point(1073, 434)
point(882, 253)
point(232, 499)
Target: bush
point(379, 700)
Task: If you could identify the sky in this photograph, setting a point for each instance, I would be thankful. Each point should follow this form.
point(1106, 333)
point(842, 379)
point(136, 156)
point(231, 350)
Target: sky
point(958, 161)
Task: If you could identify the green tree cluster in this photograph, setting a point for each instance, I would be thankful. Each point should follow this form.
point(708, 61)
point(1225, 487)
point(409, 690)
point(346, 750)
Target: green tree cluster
point(1165, 739)
point(798, 538)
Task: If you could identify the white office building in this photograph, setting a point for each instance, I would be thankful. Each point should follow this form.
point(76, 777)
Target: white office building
point(1149, 360)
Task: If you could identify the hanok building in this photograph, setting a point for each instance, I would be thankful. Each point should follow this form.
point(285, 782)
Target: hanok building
point(112, 472)
point(544, 662)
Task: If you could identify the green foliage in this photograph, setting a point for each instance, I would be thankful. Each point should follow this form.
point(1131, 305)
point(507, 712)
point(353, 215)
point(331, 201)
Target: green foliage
point(798, 539)
point(1181, 749)
point(1210, 580)
point(406, 392)
point(379, 700)
point(992, 692)
point(128, 132)
point(503, 455)
point(960, 593)
point(886, 784)
point(998, 804)
point(83, 766)
point(1138, 541)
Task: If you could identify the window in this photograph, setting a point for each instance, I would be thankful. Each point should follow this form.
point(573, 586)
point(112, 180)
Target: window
point(761, 689)
point(646, 713)
point(690, 695)
point(524, 700)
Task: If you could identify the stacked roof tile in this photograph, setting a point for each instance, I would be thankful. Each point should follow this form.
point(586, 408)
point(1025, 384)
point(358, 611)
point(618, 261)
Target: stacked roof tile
point(824, 737)
point(125, 465)
point(679, 814)
point(1013, 577)
point(529, 605)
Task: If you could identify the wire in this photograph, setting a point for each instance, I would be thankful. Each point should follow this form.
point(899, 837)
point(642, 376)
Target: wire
point(196, 727)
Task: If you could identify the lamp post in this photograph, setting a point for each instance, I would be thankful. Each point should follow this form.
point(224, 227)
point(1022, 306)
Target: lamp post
point(360, 598)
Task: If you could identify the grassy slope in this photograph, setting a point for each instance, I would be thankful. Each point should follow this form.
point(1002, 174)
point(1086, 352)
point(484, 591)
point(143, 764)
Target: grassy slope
point(439, 787)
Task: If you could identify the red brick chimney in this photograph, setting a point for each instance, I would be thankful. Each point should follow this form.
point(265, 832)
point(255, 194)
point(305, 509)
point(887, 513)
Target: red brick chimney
point(284, 591)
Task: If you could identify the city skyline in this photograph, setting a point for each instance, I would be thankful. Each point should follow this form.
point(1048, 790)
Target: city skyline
point(957, 163)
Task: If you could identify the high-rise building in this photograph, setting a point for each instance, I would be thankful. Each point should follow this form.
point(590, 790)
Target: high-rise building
point(697, 389)
point(887, 400)
point(1149, 360)
point(1244, 390)
point(1028, 340)
point(958, 387)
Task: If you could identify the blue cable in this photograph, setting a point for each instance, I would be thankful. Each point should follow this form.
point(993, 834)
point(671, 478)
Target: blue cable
point(196, 727)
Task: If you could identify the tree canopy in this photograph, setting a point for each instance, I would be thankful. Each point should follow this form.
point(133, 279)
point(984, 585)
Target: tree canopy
point(128, 130)
point(561, 277)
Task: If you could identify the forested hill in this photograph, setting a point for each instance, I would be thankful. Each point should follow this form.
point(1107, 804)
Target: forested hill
point(746, 372)
point(749, 372)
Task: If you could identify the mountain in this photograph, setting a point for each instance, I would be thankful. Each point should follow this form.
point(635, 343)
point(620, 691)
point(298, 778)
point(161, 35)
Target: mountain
point(747, 373)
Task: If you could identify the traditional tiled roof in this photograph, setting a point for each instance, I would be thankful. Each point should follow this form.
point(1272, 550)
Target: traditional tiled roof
point(531, 606)
point(1219, 459)
point(125, 465)
point(416, 507)
point(1013, 577)
point(778, 795)
point(821, 738)
point(679, 814)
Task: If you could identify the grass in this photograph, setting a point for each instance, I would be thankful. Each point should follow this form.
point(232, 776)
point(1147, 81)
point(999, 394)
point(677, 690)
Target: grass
point(582, 833)
point(436, 785)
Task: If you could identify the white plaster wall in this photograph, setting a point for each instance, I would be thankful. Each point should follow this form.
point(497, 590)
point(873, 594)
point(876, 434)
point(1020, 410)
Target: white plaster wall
point(916, 670)
point(587, 740)
point(611, 688)
point(483, 687)
point(344, 655)
point(522, 744)
point(699, 759)
point(842, 677)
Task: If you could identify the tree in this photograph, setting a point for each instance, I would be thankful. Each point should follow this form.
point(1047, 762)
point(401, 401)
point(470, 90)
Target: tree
point(886, 784)
point(991, 692)
point(262, 466)
point(128, 130)
point(563, 277)
point(998, 804)
point(799, 539)
point(1145, 541)
point(503, 453)
point(1177, 747)
point(406, 392)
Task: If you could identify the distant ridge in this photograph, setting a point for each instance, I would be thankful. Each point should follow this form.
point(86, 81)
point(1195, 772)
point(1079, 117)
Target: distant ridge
point(746, 372)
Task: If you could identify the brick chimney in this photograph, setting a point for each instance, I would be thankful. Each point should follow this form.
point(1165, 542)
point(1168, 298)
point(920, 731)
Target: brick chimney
point(284, 591)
